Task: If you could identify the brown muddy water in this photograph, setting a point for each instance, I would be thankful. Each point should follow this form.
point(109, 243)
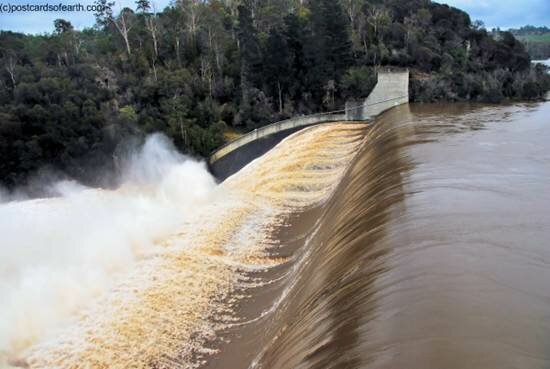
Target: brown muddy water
point(421, 241)
point(433, 252)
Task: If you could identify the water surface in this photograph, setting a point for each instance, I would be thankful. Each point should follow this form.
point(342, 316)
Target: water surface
point(419, 241)
point(434, 251)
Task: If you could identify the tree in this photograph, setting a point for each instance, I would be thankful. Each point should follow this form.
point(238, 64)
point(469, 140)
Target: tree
point(296, 37)
point(277, 65)
point(144, 6)
point(249, 53)
point(378, 17)
point(359, 82)
point(331, 45)
point(216, 28)
point(63, 26)
point(10, 62)
point(70, 43)
point(192, 11)
point(353, 9)
point(123, 23)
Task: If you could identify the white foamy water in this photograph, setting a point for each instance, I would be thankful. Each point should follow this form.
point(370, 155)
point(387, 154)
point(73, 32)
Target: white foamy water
point(59, 255)
point(148, 275)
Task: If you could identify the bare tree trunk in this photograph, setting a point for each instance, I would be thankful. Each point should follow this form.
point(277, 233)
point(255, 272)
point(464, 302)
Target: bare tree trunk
point(206, 73)
point(184, 136)
point(77, 44)
point(10, 68)
point(375, 16)
point(280, 97)
point(66, 57)
point(218, 58)
point(194, 19)
point(128, 49)
point(124, 30)
point(151, 26)
point(178, 50)
point(153, 63)
point(351, 9)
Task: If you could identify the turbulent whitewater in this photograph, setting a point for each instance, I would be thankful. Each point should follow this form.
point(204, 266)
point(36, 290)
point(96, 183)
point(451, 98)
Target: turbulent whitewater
point(419, 241)
point(182, 286)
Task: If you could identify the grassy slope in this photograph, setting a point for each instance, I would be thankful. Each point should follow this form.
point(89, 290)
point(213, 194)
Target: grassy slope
point(535, 38)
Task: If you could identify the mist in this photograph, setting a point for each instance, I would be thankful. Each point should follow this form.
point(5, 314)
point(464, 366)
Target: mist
point(58, 255)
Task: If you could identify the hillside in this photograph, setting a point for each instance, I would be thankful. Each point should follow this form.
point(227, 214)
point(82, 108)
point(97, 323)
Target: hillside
point(536, 41)
point(68, 99)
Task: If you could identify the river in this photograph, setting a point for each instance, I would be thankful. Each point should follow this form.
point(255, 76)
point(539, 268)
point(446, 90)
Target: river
point(545, 62)
point(419, 241)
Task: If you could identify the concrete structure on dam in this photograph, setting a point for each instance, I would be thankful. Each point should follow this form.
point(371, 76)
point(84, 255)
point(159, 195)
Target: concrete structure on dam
point(392, 89)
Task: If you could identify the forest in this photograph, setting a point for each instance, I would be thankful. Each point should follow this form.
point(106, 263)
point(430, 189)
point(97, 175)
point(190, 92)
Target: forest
point(70, 99)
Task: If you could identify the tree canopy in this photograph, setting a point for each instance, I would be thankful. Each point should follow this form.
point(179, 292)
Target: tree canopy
point(67, 99)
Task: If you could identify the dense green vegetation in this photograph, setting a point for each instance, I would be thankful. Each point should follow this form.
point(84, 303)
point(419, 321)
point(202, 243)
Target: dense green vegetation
point(535, 39)
point(69, 98)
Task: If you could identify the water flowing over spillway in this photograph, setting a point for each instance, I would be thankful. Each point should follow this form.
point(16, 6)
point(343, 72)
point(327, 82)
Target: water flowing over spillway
point(420, 241)
point(433, 252)
point(181, 293)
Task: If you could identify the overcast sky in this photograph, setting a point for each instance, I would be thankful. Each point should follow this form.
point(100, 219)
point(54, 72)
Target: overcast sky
point(506, 13)
point(494, 13)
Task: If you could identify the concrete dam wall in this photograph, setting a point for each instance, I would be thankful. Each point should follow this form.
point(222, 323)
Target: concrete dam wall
point(392, 89)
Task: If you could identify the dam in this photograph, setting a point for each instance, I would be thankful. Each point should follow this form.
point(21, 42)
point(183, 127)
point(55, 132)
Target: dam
point(391, 89)
point(419, 241)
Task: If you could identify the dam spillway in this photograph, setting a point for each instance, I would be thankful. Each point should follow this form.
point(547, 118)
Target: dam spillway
point(418, 241)
point(430, 253)
point(167, 310)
